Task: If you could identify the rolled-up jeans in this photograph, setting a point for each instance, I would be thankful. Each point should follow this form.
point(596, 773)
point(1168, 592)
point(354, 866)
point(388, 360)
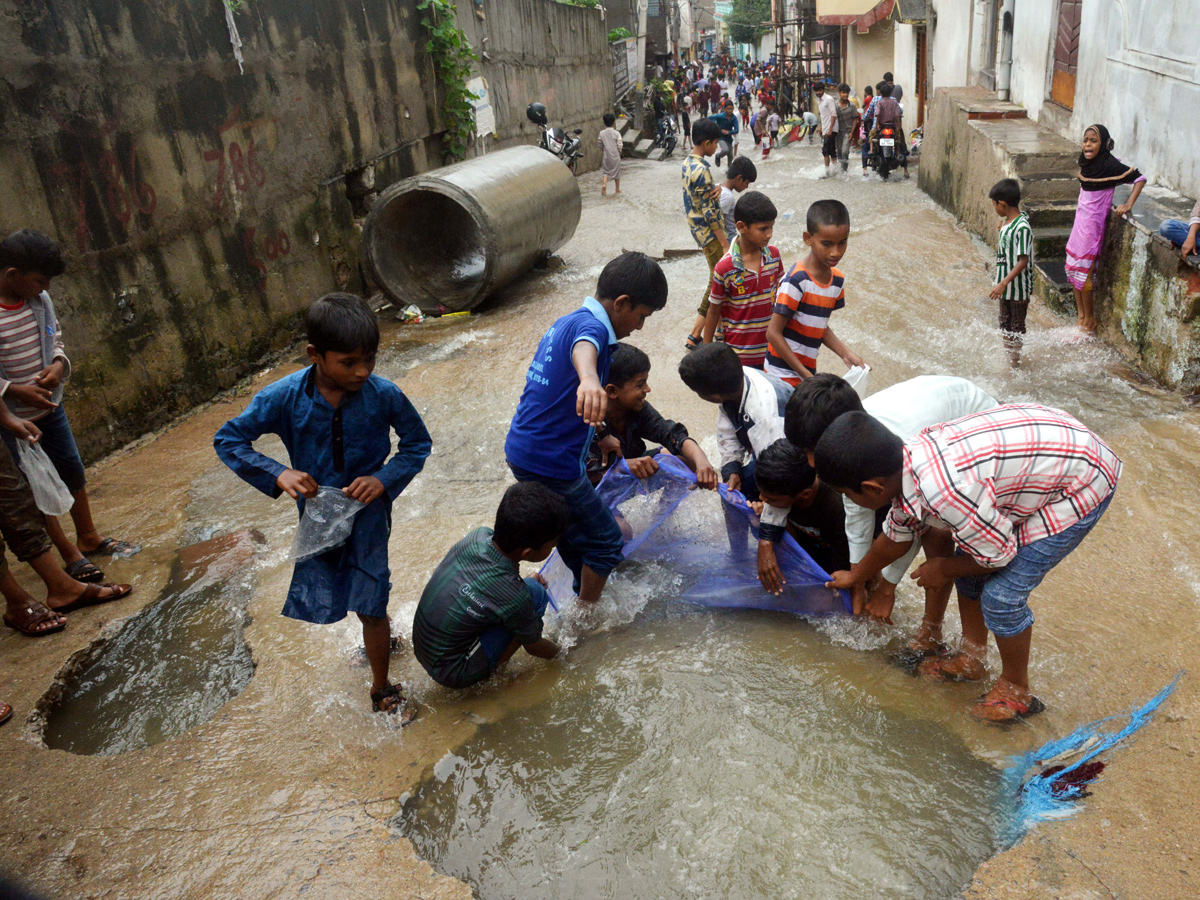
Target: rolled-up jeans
point(1176, 231)
point(22, 525)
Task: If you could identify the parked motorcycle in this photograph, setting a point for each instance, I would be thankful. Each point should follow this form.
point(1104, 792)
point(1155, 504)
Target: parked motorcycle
point(884, 155)
point(668, 135)
point(566, 147)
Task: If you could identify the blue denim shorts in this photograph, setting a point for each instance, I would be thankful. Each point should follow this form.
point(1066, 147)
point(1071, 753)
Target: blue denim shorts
point(1005, 593)
point(592, 538)
point(496, 639)
point(59, 444)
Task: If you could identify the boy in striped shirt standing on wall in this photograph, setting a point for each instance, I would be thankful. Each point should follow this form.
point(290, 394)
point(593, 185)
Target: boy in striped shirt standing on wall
point(1014, 275)
point(812, 290)
point(744, 281)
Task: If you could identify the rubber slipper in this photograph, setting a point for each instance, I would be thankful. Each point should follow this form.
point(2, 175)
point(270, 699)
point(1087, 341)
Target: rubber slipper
point(5, 713)
point(909, 658)
point(1018, 709)
point(85, 571)
point(936, 669)
point(405, 710)
point(91, 597)
point(692, 342)
point(36, 614)
point(113, 547)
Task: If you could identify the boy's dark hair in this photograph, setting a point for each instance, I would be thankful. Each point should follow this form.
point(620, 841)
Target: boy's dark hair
point(31, 251)
point(635, 275)
point(826, 214)
point(341, 323)
point(628, 362)
point(609, 120)
point(843, 88)
point(856, 447)
point(783, 468)
point(887, 76)
point(529, 515)
point(868, 91)
point(886, 88)
point(819, 86)
point(814, 405)
point(742, 167)
point(704, 129)
point(713, 369)
point(1006, 190)
point(754, 207)
point(879, 86)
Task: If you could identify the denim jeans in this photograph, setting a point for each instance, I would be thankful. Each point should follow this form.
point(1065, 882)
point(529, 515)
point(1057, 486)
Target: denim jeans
point(1176, 232)
point(1005, 593)
point(59, 444)
point(496, 639)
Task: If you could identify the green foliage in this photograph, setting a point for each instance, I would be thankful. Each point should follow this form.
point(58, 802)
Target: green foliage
point(452, 58)
point(588, 4)
point(745, 20)
point(619, 34)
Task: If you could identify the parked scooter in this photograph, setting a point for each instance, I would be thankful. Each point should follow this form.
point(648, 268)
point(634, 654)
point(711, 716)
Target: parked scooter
point(566, 147)
point(883, 156)
point(668, 135)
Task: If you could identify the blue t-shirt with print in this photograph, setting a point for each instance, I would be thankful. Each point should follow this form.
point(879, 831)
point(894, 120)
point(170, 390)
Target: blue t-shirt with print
point(547, 436)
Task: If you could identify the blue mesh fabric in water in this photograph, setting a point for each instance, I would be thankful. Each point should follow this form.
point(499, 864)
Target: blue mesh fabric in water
point(713, 556)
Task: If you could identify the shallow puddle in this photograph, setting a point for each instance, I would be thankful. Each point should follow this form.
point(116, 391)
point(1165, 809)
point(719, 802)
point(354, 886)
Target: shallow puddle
point(172, 666)
point(702, 754)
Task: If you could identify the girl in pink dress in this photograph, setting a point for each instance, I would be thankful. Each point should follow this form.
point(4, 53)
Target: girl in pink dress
point(1099, 174)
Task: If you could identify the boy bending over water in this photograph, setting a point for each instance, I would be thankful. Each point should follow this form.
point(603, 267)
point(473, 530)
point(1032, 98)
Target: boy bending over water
point(335, 419)
point(1018, 486)
point(476, 609)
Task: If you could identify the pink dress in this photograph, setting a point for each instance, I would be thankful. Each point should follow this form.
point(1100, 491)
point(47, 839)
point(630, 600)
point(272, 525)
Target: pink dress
point(1087, 234)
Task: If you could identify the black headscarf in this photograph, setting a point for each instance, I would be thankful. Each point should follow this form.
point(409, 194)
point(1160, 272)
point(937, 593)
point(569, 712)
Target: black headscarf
point(1104, 170)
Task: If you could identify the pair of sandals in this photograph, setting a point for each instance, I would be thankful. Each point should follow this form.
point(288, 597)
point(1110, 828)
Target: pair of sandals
point(38, 619)
point(933, 662)
point(87, 571)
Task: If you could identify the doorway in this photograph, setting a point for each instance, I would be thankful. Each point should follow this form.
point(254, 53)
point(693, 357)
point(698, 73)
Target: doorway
point(1066, 53)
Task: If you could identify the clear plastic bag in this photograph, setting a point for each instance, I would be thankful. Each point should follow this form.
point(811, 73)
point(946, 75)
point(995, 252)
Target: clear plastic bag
point(857, 379)
point(327, 522)
point(49, 492)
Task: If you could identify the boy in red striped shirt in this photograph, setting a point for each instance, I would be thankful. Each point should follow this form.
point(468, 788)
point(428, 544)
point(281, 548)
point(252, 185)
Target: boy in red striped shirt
point(807, 297)
point(744, 281)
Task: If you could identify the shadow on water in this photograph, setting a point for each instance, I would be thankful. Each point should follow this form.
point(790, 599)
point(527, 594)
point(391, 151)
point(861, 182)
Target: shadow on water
point(709, 755)
point(169, 668)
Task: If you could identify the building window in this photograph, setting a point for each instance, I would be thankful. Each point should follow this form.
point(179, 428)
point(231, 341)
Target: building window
point(652, 9)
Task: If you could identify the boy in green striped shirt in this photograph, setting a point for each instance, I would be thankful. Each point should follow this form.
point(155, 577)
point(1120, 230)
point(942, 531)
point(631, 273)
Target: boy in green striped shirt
point(1014, 277)
point(476, 610)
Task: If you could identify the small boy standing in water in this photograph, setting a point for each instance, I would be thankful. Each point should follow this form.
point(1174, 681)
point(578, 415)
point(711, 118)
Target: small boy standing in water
point(611, 146)
point(1014, 276)
point(808, 296)
point(564, 402)
point(476, 610)
point(702, 208)
point(335, 419)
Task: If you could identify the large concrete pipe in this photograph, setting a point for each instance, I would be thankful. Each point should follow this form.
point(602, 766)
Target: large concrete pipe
point(445, 240)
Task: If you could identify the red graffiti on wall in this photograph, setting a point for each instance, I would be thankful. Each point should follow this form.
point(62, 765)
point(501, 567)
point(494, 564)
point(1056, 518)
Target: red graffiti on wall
point(272, 247)
point(119, 190)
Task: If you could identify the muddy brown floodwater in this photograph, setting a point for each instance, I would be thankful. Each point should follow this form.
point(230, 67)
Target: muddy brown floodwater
point(294, 786)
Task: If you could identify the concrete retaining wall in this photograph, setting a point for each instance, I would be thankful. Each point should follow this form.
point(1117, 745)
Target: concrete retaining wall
point(202, 208)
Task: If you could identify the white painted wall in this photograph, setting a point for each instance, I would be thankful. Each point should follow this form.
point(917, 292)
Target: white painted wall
point(950, 40)
point(869, 55)
point(1034, 29)
point(904, 68)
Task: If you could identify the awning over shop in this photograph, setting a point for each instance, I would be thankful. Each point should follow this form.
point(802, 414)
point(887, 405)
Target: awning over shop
point(862, 13)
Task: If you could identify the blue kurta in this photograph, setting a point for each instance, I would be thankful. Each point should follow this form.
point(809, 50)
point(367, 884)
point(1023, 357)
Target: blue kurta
point(334, 446)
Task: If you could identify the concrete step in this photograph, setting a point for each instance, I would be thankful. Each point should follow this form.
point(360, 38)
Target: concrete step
point(1049, 188)
point(1048, 214)
point(1050, 242)
point(1051, 286)
point(1031, 164)
point(642, 149)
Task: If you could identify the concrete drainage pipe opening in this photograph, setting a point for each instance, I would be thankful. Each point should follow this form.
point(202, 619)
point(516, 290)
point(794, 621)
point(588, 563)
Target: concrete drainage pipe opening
point(447, 240)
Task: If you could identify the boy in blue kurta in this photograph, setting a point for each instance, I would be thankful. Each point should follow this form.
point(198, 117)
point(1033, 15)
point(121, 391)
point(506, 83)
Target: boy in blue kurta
point(564, 401)
point(335, 419)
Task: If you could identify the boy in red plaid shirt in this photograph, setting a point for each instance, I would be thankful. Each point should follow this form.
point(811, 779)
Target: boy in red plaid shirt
point(1018, 487)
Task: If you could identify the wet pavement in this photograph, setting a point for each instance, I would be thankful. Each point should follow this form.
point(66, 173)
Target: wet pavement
point(292, 784)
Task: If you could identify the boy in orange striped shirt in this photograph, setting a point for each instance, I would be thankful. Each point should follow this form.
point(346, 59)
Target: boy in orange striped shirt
point(807, 297)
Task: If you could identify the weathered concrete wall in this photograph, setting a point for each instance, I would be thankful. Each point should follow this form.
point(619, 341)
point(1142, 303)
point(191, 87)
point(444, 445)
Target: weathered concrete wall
point(545, 51)
point(869, 55)
point(202, 209)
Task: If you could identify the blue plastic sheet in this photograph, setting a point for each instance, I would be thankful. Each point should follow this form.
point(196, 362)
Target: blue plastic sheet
point(712, 558)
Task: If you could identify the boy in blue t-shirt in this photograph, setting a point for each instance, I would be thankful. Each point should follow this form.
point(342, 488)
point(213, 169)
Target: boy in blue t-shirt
point(335, 419)
point(564, 401)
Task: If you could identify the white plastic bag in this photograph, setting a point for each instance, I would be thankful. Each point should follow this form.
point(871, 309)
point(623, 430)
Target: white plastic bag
point(857, 379)
point(49, 492)
point(327, 522)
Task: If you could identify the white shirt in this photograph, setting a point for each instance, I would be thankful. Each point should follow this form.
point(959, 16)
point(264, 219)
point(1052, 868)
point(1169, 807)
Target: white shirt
point(906, 409)
point(828, 109)
point(729, 200)
point(760, 406)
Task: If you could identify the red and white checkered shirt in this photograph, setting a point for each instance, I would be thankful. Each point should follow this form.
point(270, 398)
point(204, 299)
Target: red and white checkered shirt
point(1001, 479)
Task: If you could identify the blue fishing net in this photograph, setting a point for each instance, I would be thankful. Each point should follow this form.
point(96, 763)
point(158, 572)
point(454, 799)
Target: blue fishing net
point(712, 557)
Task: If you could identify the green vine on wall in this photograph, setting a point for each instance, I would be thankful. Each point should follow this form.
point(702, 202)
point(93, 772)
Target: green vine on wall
point(452, 58)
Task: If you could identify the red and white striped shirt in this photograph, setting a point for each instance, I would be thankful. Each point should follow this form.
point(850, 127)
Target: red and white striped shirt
point(1001, 479)
point(21, 353)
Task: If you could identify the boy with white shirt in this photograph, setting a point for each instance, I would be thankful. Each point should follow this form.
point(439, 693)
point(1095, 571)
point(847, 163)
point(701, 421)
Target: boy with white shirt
point(905, 409)
point(827, 108)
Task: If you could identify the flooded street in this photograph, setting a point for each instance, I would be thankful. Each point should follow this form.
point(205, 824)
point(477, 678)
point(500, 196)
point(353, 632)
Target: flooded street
point(716, 754)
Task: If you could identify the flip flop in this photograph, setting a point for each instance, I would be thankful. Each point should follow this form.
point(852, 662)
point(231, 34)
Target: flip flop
point(85, 571)
point(36, 613)
point(692, 342)
point(936, 669)
point(5, 713)
point(909, 658)
point(1018, 709)
point(91, 597)
point(113, 547)
point(406, 710)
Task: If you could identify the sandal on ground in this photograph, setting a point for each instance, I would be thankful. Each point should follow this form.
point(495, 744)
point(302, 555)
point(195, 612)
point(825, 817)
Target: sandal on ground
point(91, 596)
point(1010, 709)
point(85, 571)
point(910, 658)
point(113, 547)
point(693, 342)
point(5, 712)
point(391, 701)
point(936, 668)
point(35, 614)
